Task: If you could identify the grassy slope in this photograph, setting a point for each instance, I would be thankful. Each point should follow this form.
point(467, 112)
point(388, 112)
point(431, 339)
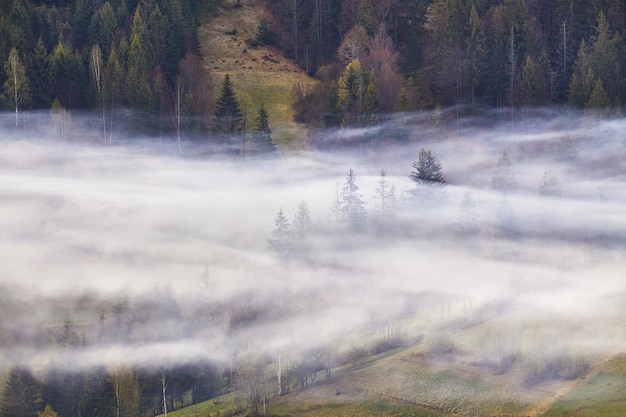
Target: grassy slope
point(603, 394)
point(416, 382)
point(259, 75)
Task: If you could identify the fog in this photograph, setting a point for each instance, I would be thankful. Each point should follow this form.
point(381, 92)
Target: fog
point(86, 228)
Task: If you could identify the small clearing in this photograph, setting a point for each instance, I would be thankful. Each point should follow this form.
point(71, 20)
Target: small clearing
point(260, 75)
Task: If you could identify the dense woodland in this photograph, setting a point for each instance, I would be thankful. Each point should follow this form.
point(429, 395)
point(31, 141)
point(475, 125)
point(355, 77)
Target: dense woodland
point(371, 58)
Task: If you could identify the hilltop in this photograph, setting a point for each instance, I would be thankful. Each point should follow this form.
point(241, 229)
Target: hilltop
point(260, 74)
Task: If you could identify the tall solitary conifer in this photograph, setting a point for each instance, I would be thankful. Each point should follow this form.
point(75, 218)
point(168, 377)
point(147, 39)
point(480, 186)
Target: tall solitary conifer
point(228, 114)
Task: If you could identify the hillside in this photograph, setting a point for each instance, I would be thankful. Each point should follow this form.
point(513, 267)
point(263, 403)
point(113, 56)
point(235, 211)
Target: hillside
point(259, 74)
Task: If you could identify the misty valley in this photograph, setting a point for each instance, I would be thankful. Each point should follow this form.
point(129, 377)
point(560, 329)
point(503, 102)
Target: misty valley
point(406, 269)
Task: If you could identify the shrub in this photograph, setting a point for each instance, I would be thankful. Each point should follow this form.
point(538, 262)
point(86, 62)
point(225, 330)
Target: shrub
point(265, 35)
point(441, 346)
point(253, 43)
point(564, 367)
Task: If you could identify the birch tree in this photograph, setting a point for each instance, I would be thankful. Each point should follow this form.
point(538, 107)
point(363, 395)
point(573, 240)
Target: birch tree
point(17, 85)
point(95, 63)
point(179, 107)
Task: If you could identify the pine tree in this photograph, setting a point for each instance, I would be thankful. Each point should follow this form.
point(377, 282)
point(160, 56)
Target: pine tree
point(598, 101)
point(550, 185)
point(262, 133)
point(468, 215)
point(41, 78)
point(385, 193)
point(428, 176)
point(503, 180)
point(350, 90)
point(352, 205)
point(476, 52)
point(48, 411)
point(22, 394)
point(365, 16)
point(228, 114)
point(302, 221)
point(139, 93)
point(281, 241)
point(530, 82)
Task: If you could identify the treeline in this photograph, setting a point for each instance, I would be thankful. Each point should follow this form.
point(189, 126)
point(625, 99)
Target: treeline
point(103, 55)
point(94, 368)
point(371, 58)
point(376, 57)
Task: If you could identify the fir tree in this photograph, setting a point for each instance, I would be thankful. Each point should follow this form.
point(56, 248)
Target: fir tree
point(468, 216)
point(228, 114)
point(428, 176)
point(262, 133)
point(22, 395)
point(385, 193)
point(302, 221)
point(503, 180)
point(281, 241)
point(550, 185)
point(41, 79)
point(352, 204)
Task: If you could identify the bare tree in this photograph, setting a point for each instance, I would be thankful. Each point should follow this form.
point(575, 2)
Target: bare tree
point(96, 71)
point(178, 108)
point(164, 387)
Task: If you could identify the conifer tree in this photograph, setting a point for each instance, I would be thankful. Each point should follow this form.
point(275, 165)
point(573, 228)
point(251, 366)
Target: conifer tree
point(41, 79)
point(503, 180)
point(22, 395)
point(262, 133)
point(228, 114)
point(139, 93)
point(550, 185)
point(352, 204)
point(468, 215)
point(365, 16)
point(385, 193)
point(428, 176)
point(281, 241)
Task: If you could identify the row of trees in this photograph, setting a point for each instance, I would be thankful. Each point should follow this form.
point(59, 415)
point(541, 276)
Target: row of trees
point(467, 54)
point(101, 55)
point(348, 208)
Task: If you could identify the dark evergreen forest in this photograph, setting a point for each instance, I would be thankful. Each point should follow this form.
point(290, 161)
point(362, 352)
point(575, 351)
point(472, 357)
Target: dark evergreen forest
point(371, 58)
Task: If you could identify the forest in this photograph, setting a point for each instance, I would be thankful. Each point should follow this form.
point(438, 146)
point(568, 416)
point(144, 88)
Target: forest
point(460, 173)
point(141, 61)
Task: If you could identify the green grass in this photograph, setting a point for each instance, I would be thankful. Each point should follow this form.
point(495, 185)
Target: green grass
point(225, 405)
point(364, 409)
point(602, 395)
point(254, 88)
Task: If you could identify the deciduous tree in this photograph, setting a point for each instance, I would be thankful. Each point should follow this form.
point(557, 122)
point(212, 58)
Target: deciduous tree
point(17, 84)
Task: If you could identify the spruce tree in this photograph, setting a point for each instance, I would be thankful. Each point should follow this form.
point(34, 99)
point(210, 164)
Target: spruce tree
point(428, 176)
point(281, 241)
point(262, 133)
point(468, 216)
point(228, 114)
point(22, 394)
point(352, 204)
point(41, 79)
point(503, 180)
